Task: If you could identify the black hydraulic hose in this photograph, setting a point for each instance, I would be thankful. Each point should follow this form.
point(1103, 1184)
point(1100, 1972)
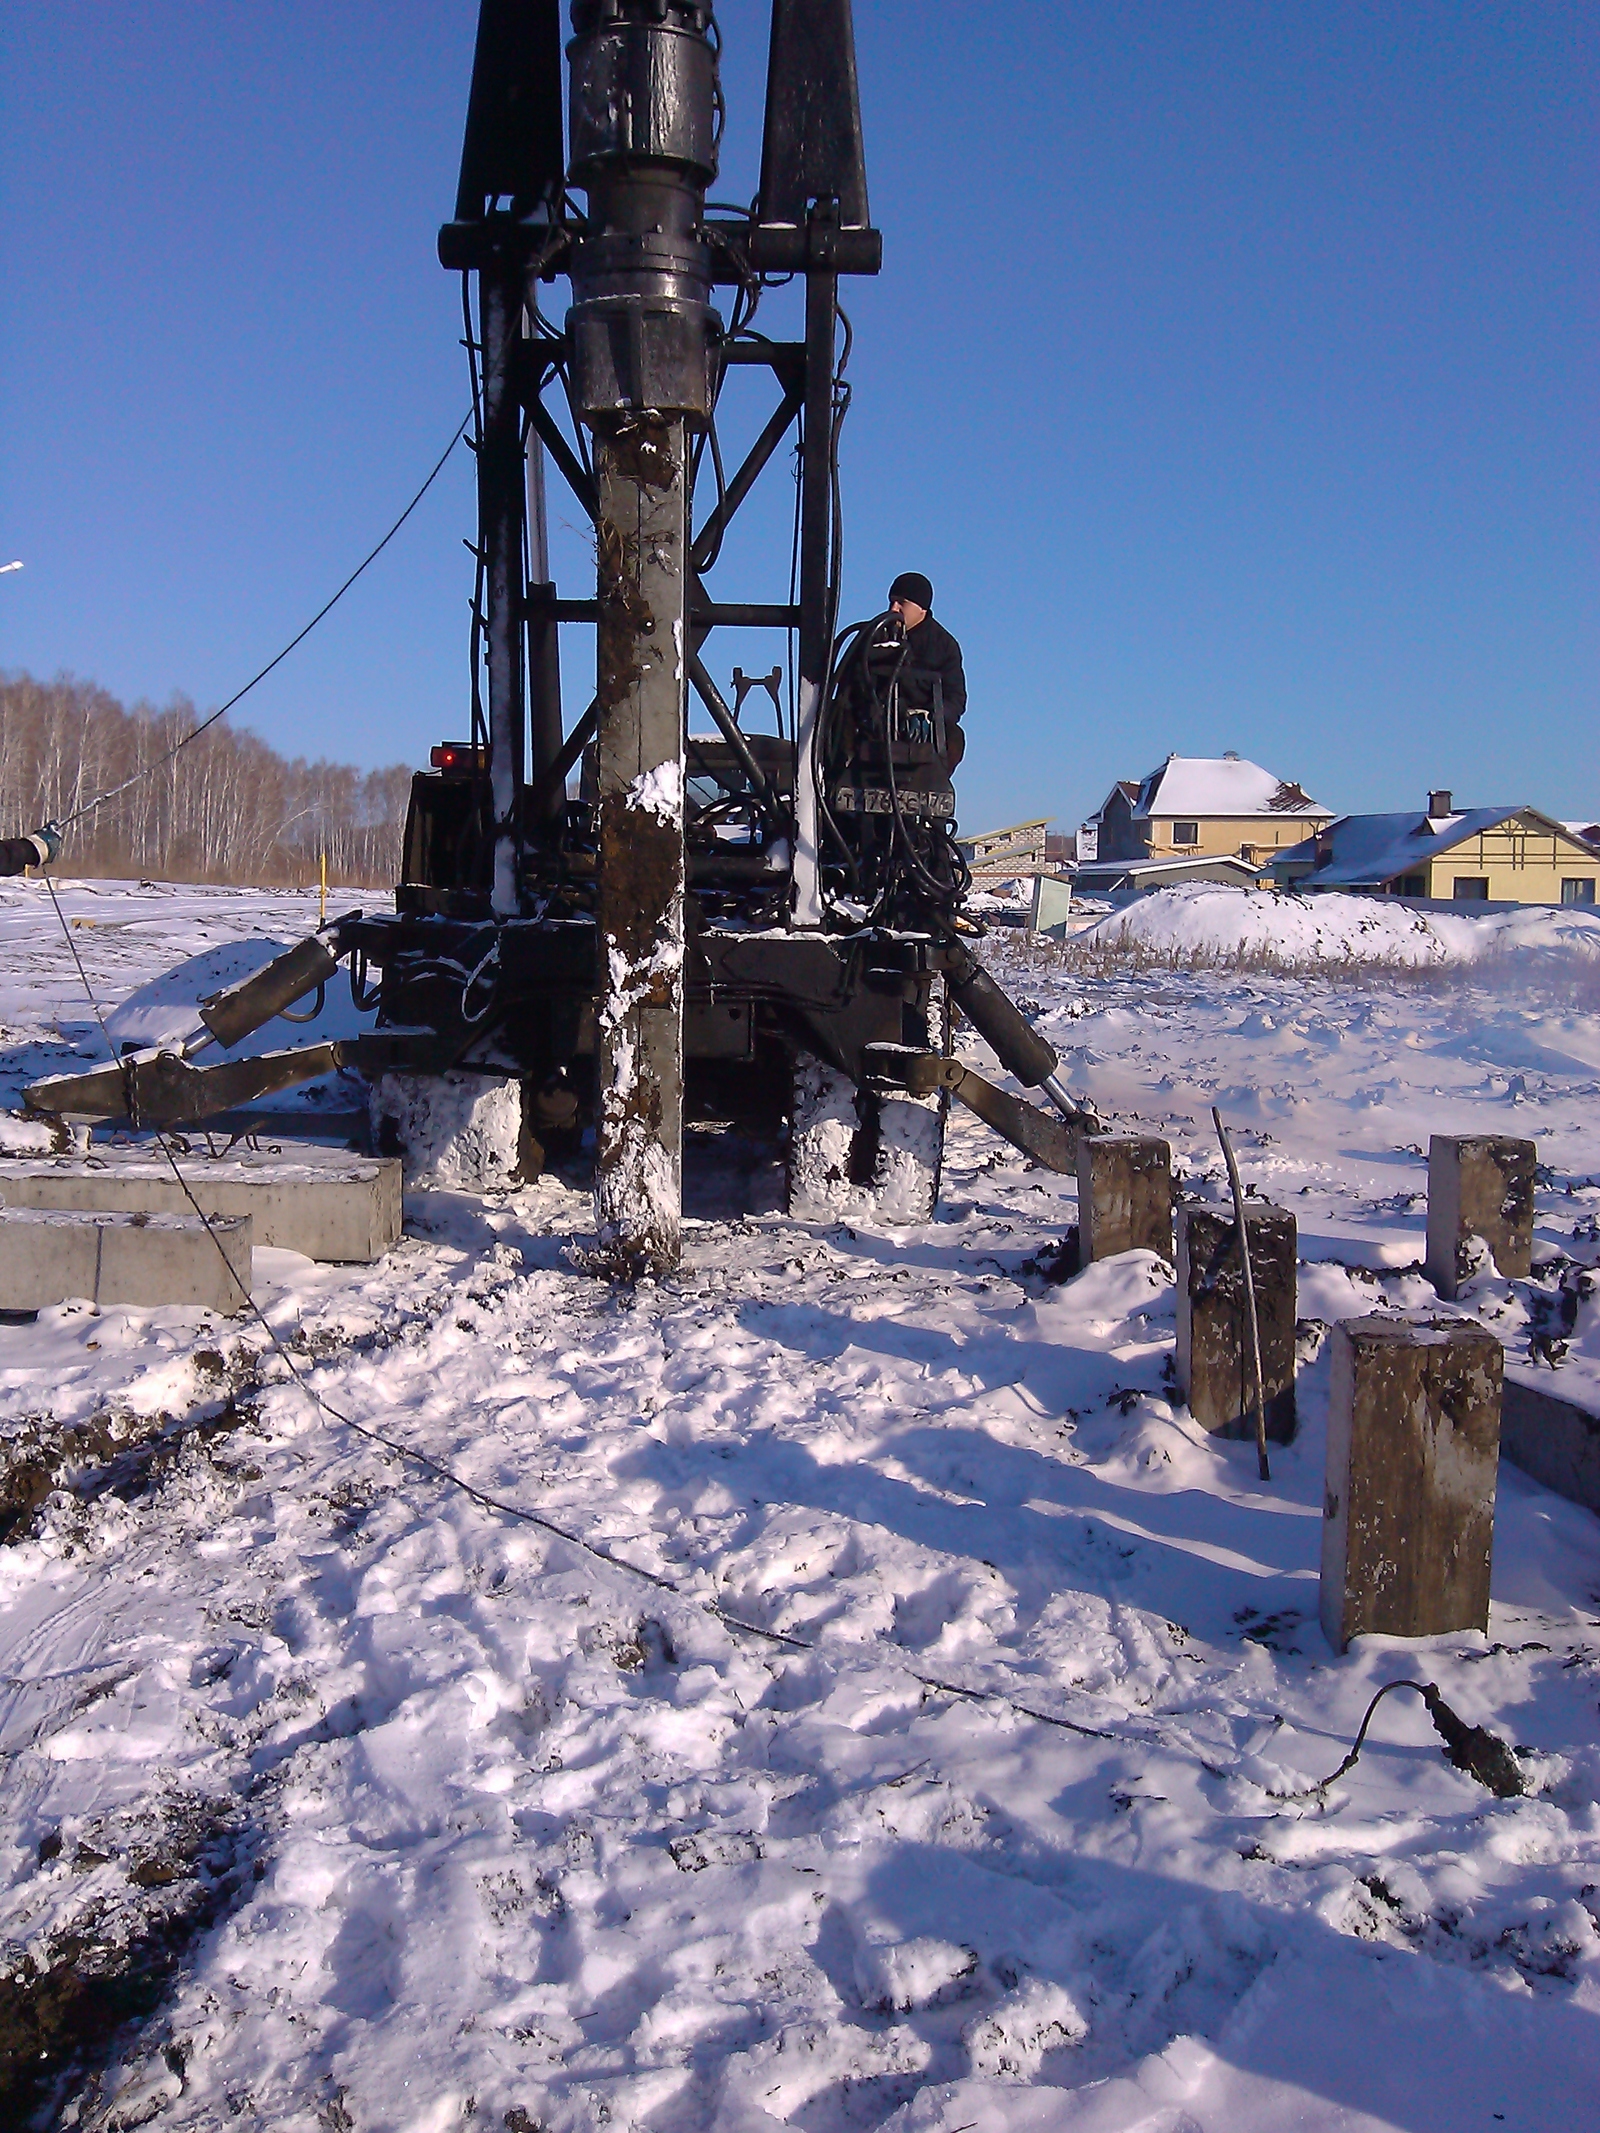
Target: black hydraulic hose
point(1473, 1749)
point(943, 894)
point(836, 664)
point(553, 778)
point(721, 515)
point(822, 733)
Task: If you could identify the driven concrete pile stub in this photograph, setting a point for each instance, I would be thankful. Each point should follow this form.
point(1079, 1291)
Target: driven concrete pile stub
point(319, 1201)
point(1554, 1440)
point(1215, 1369)
point(1124, 1197)
point(1413, 1448)
point(1479, 1185)
point(49, 1255)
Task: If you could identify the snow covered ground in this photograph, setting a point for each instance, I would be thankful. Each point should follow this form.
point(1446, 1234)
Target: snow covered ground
point(414, 1816)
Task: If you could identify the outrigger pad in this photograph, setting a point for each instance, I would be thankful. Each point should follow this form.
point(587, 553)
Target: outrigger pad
point(165, 1089)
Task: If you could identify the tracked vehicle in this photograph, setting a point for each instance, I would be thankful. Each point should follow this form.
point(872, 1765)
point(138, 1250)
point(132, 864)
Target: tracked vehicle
point(722, 917)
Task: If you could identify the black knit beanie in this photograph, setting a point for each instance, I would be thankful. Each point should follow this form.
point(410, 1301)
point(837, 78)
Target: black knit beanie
point(912, 585)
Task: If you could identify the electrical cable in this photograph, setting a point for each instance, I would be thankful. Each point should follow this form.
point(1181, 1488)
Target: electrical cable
point(943, 894)
point(91, 806)
point(840, 397)
point(822, 740)
point(1473, 1749)
point(521, 1512)
point(490, 960)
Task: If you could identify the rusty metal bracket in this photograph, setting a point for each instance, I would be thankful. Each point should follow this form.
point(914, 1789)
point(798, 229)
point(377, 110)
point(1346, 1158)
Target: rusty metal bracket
point(1048, 1140)
point(163, 1088)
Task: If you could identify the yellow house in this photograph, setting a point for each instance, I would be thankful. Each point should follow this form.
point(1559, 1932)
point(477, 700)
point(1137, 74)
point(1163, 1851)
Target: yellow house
point(1203, 807)
point(1509, 855)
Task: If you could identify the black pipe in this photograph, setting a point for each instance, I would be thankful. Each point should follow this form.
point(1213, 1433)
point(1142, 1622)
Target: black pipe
point(816, 480)
point(998, 1020)
point(711, 696)
point(710, 534)
point(552, 781)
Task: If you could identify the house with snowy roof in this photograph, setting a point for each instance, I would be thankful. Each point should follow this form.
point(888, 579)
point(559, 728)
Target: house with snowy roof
point(1195, 808)
point(1474, 855)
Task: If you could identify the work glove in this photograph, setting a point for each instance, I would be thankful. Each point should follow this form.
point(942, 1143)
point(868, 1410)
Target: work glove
point(46, 841)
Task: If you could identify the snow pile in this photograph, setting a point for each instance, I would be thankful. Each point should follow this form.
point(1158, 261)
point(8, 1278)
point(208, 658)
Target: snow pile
point(1549, 1323)
point(825, 1151)
point(1211, 922)
point(22, 1135)
point(451, 1129)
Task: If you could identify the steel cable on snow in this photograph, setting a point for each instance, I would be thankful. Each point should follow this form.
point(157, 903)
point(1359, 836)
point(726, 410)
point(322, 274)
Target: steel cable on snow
point(522, 1513)
point(1150, 1736)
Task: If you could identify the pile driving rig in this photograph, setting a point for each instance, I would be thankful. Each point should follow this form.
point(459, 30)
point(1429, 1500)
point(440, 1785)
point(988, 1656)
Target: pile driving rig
point(778, 909)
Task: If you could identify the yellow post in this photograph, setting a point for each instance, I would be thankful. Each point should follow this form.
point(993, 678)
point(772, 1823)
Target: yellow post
point(322, 889)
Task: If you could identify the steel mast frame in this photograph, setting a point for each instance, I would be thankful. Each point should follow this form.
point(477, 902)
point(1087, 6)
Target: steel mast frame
point(514, 229)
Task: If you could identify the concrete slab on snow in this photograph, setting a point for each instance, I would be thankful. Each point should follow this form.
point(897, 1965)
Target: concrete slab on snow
point(319, 1201)
point(49, 1254)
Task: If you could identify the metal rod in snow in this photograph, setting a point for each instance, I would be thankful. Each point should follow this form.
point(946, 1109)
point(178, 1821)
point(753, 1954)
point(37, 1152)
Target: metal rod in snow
point(1252, 1322)
point(642, 544)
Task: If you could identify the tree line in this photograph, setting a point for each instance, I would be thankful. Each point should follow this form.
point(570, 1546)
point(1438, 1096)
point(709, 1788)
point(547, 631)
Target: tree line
point(227, 808)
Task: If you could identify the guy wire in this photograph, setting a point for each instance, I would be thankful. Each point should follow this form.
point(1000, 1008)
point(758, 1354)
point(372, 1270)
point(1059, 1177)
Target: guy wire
point(90, 807)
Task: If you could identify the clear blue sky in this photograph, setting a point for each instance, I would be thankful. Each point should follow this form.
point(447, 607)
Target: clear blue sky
point(1231, 374)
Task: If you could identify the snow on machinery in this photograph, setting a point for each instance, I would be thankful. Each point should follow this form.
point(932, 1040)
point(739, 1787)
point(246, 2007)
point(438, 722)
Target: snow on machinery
point(772, 914)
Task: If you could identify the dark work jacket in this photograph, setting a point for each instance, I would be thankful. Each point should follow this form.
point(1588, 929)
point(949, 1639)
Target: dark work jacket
point(930, 649)
point(16, 853)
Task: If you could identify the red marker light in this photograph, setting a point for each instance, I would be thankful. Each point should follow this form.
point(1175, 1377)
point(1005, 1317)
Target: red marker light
point(456, 755)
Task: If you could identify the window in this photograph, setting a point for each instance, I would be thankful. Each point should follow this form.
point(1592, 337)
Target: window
point(1186, 833)
point(1470, 889)
point(1577, 892)
point(1409, 885)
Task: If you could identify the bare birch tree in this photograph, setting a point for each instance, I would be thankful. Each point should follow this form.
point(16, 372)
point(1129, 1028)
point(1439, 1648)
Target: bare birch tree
point(227, 808)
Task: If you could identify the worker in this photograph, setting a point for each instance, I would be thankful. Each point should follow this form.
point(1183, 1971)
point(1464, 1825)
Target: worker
point(931, 654)
point(35, 850)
